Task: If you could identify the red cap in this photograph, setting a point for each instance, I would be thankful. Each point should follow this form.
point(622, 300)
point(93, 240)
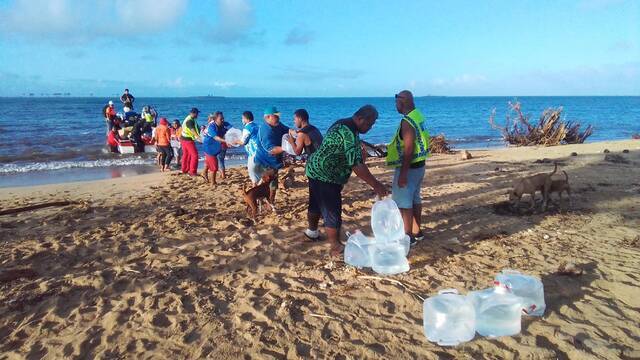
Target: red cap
point(163, 121)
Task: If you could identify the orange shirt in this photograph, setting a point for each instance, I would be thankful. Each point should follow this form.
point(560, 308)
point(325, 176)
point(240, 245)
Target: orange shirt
point(163, 135)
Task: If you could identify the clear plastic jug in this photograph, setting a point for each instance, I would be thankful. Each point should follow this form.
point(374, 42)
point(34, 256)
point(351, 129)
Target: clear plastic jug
point(233, 136)
point(389, 259)
point(405, 242)
point(449, 318)
point(498, 311)
point(386, 221)
point(527, 287)
point(286, 146)
point(359, 250)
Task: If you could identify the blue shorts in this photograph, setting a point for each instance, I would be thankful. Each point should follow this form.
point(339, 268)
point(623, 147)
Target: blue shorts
point(221, 155)
point(409, 195)
point(326, 199)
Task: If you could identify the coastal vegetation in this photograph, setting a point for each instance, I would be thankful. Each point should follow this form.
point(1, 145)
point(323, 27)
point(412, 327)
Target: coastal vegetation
point(550, 130)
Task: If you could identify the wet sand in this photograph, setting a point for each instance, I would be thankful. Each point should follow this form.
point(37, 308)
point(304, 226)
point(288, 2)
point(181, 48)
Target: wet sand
point(139, 268)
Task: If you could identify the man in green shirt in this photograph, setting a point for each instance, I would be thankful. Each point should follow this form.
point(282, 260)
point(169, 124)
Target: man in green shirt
point(330, 167)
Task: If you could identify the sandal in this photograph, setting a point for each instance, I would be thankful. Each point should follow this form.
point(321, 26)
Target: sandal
point(419, 236)
point(312, 238)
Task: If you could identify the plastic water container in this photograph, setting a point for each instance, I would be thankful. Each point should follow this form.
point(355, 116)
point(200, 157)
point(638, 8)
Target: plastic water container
point(527, 287)
point(498, 311)
point(405, 242)
point(386, 221)
point(233, 136)
point(359, 250)
point(449, 318)
point(286, 146)
point(389, 259)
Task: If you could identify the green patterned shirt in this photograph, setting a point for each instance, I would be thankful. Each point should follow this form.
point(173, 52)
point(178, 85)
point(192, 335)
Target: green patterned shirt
point(339, 152)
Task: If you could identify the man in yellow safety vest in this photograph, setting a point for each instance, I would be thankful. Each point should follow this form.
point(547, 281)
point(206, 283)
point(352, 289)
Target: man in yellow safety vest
point(407, 153)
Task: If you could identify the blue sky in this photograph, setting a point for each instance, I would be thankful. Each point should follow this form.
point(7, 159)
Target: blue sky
point(320, 48)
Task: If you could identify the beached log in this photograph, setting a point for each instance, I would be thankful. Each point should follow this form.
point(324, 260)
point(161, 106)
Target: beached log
point(550, 130)
point(35, 207)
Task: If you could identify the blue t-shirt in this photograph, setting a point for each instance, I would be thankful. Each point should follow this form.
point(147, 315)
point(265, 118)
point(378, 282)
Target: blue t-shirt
point(210, 145)
point(269, 137)
point(250, 138)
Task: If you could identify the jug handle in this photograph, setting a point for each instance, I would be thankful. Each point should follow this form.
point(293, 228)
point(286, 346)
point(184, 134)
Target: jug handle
point(448, 291)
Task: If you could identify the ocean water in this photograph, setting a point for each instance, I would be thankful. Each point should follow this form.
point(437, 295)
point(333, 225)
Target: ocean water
point(52, 136)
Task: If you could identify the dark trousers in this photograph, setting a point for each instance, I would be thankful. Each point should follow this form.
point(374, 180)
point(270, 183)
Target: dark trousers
point(166, 154)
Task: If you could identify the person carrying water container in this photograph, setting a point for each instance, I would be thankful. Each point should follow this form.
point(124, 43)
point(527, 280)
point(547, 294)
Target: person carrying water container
point(190, 134)
point(329, 169)
point(249, 140)
point(407, 153)
point(307, 138)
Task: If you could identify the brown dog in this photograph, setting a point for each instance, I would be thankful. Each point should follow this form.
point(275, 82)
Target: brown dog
point(531, 185)
point(559, 186)
point(258, 193)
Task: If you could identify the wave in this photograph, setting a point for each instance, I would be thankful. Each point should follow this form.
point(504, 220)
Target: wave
point(60, 165)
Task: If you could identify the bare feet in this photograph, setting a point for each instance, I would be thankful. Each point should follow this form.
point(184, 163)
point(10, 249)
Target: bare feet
point(336, 250)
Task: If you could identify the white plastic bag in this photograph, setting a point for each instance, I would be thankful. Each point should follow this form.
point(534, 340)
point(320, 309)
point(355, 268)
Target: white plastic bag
point(233, 137)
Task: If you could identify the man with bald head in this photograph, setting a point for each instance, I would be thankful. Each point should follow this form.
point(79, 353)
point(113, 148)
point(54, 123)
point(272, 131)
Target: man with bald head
point(407, 153)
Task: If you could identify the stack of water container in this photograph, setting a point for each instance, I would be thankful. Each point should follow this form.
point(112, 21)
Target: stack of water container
point(451, 318)
point(386, 252)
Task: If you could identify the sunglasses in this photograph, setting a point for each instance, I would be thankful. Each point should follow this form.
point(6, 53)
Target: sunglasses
point(399, 96)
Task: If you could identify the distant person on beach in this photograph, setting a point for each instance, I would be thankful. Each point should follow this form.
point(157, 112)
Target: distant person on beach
point(407, 153)
point(307, 138)
point(212, 145)
point(329, 169)
point(189, 135)
point(221, 128)
point(127, 99)
point(249, 140)
point(269, 151)
point(109, 112)
point(162, 138)
point(176, 132)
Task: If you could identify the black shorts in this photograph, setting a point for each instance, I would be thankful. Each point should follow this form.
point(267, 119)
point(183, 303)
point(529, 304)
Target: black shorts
point(326, 199)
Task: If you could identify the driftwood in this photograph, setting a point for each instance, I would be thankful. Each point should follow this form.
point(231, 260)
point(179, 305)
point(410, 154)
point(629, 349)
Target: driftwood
point(550, 130)
point(379, 151)
point(439, 145)
point(35, 207)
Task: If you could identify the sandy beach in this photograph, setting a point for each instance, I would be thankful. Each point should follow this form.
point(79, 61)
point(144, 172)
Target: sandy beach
point(137, 267)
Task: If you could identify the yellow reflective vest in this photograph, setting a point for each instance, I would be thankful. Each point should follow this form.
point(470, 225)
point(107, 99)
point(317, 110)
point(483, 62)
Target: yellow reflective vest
point(421, 142)
point(188, 133)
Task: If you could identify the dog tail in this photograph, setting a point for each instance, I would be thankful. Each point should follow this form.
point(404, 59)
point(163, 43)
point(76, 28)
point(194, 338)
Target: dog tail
point(555, 168)
point(566, 177)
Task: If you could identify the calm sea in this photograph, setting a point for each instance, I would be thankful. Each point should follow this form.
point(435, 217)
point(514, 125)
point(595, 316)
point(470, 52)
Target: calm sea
point(63, 138)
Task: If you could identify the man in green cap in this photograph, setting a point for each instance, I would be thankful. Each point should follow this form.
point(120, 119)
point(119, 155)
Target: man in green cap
point(269, 154)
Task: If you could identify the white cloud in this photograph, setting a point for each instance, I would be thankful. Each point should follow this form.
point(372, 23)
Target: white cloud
point(78, 21)
point(234, 21)
point(176, 83)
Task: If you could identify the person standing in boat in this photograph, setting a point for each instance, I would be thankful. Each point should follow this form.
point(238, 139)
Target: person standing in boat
point(127, 99)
